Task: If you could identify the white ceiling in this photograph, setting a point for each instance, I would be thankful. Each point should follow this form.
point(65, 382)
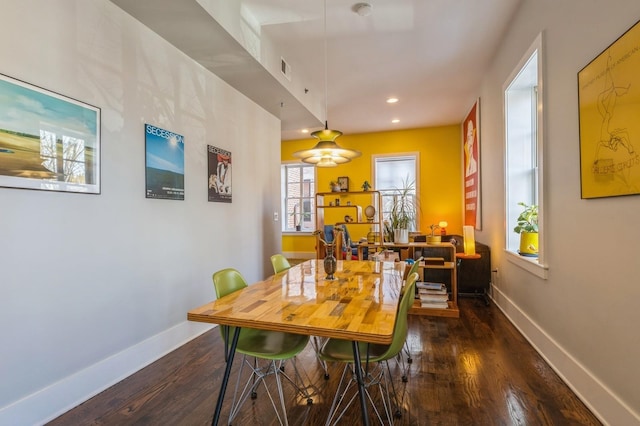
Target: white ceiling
point(430, 54)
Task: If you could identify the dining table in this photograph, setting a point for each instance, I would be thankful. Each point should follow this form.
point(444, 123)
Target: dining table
point(359, 304)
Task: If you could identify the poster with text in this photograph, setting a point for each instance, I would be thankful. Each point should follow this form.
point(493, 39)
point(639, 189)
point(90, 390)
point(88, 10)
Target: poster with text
point(609, 102)
point(471, 170)
point(164, 164)
point(219, 174)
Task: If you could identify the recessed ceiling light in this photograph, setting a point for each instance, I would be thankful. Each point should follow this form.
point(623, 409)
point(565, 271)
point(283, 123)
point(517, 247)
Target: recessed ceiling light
point(305, 130)
point(392, 100)
point(395, 120)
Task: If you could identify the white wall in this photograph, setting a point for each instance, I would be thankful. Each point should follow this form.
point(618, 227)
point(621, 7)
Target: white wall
point(584, 318)
point(93, 287)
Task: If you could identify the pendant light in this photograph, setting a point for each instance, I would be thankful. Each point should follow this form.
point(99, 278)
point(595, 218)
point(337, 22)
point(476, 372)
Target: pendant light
point(326, 153)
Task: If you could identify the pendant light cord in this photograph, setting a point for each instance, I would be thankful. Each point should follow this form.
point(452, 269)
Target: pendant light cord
point(326, 72)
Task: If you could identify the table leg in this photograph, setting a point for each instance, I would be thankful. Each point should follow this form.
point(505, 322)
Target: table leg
point(227, 372)
point(361, 390)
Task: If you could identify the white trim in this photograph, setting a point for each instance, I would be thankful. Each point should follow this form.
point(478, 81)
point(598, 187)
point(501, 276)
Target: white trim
point(602, 402)
point(299, 254)
point(58, 398)
point(532, 265)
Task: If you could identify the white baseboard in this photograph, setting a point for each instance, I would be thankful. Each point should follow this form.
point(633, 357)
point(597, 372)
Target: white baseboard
point(58, 398)
point(299, 254)
point(602, 402)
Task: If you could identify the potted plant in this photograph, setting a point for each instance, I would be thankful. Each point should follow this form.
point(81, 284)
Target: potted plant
point(433, 238)
point(403, 212)
point(366, 185)
point(527, 227)
point(298, 216)
point(335, 186)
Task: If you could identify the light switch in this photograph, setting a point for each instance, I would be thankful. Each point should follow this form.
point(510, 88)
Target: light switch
point(275, 216)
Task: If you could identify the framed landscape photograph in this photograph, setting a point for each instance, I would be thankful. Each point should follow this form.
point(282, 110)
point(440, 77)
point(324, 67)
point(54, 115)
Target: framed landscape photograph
point(609, 105)
point(47, 141)
point(164, 164)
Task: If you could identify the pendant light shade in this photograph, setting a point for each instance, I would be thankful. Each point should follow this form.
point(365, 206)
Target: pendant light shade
point(326, 153)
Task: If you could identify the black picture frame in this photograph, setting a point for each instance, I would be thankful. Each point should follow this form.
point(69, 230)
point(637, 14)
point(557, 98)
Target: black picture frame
point(343, 182)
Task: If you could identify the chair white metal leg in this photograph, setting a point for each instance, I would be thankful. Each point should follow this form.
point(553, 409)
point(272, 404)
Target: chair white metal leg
point(257, 376)
point(347, 393)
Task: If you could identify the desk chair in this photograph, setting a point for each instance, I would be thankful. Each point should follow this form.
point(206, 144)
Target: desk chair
point(271, 346)
point(338, 350)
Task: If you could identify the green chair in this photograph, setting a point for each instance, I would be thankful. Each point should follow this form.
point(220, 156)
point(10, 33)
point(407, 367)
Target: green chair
point(415, 267)
point(274, 347)
point(280, 263)
point(338, 350)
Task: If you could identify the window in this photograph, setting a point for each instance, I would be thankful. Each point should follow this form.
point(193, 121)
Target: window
point(523, 100)
point(392, 173)
point(298, 197)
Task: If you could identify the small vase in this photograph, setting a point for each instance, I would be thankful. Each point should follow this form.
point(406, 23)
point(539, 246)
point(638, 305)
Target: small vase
point(330, 264)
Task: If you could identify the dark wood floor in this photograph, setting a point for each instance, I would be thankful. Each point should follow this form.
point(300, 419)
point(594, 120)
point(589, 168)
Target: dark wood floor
point(475, 370)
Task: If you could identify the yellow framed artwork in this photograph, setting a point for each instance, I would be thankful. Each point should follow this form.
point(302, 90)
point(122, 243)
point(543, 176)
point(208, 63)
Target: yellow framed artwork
point(609, 105)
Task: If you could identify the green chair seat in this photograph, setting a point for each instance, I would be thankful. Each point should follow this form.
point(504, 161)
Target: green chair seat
point(273, 345)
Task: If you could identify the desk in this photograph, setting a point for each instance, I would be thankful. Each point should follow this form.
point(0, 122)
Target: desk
point(359, 305)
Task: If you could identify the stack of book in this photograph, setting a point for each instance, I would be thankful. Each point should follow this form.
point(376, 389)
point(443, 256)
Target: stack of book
point(432, 295)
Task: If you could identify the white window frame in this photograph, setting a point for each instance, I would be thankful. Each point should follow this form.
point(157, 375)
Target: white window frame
point(283, 199)
point(416, 157)
point(525, 85)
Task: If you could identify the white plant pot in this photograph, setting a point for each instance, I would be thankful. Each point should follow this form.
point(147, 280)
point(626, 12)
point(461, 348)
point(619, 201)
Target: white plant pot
point(401, 236)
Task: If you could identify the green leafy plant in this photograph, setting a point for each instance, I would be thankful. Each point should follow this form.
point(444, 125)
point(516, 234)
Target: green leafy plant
point(404, 209)
point(528, 219)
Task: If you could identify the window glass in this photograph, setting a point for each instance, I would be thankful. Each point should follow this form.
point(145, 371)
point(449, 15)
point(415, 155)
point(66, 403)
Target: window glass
point(523, 140)
point(392, 173)
point(298, 192)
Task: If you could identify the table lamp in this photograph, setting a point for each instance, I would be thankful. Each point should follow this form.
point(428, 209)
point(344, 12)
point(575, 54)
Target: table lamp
point(469, 240)
point(443, 227)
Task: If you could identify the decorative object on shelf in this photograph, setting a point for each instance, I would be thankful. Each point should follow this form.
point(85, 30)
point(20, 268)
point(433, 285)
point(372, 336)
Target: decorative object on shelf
point(334, 186)
point(433, 238)
point(403, 212)
point(33, 155)
point(326, 153)
point(343, 182)
point(527, 227)
point(469, 240)
point(348, 219)
point(369, 213)
point(330, 261)
point(366, 186)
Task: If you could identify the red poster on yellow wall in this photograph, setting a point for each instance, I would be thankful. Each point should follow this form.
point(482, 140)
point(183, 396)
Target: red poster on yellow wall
point(471, 170)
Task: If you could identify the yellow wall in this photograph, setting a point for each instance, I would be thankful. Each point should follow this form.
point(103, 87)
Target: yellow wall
point(440, 186)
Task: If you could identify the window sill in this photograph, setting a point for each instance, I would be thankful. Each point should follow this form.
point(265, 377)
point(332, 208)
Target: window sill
point(298, 233)
point(529, 264)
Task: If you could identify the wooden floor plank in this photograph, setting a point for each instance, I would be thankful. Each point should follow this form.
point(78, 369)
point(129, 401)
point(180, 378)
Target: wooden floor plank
point(473, 370)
